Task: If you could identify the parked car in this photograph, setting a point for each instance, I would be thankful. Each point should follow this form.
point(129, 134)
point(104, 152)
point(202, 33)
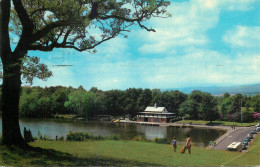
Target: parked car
point(244, 147)
point(245, 141)
point(253, 132)
point(257, 129)
point(257, 125)
point(249, 136)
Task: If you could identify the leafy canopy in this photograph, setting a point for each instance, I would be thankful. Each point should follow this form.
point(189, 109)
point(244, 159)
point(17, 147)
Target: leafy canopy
point(80, 24)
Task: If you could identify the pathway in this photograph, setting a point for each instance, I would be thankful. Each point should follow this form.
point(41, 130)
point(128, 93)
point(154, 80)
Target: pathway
point(231, 136)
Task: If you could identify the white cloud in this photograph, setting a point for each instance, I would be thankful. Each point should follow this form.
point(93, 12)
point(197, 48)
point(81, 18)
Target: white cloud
point(62, 75)
point(187, 27)
point(196, 67)
point(115, 66)
point(189, 24)
point(243, 36)
point(226, 4)
point(202, 67)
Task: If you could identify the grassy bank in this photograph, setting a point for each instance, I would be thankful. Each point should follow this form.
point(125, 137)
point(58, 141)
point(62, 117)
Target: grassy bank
point(224, 123)
point(124, 153)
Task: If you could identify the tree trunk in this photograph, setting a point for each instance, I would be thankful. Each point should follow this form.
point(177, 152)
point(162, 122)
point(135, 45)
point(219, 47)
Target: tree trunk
point(10, 104)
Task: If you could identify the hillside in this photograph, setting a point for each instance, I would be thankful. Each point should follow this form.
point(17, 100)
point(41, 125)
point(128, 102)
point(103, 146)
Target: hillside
point(220, 90)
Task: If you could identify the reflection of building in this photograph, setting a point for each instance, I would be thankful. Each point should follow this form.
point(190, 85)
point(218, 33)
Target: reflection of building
point(155, 114)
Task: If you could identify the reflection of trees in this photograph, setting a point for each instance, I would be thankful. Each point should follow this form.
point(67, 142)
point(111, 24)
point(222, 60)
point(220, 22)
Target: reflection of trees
point(151, 132)
point(186, 130)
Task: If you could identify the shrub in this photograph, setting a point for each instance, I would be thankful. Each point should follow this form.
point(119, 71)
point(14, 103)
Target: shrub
point(247, 116)
point(45, 138)
point(79, 136)
point(161, 140)
point(256, 116)
point(76, 136)
point(113, 137)
point(139, 138)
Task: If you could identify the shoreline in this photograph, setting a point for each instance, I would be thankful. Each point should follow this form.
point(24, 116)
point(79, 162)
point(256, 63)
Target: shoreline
point(220, 139)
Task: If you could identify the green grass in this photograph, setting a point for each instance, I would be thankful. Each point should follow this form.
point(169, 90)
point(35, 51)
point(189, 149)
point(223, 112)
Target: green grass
point(224, 123)
point(124, 153)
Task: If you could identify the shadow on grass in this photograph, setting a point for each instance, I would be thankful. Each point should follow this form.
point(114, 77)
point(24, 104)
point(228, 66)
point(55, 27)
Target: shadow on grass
point(36, 156)
point(214, 123)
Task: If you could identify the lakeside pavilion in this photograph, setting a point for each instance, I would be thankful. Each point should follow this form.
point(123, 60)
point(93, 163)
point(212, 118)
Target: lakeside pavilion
point(155, 114)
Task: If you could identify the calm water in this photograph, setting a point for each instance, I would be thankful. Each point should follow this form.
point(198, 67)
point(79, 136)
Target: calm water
point(51, 128)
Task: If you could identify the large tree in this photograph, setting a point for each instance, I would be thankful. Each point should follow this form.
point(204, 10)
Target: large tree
point(47, 24)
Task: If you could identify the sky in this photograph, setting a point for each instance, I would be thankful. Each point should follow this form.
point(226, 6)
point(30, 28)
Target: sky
point(204, 43)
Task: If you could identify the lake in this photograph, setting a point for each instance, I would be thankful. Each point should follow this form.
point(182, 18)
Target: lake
point(51, 127)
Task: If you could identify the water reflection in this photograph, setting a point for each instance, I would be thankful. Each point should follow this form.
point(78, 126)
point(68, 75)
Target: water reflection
point(51, 128)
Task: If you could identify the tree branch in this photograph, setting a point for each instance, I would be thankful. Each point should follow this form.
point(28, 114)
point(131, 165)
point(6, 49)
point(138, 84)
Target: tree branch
point(67, 45)
point(27, 23)
point(38, 10)
point(5, 48)
point(142, 26)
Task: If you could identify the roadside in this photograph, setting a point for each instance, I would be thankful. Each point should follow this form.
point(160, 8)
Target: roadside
point(231, 136)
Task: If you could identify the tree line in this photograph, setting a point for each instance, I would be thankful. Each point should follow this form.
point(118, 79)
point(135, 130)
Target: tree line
point(50, 101)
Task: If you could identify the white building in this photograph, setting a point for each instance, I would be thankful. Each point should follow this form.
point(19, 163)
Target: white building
point(155, 114)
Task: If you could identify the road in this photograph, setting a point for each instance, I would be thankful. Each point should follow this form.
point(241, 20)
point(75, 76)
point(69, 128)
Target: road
point(236, 135)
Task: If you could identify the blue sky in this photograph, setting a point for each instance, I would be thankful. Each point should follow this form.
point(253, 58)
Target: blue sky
point(204, 43)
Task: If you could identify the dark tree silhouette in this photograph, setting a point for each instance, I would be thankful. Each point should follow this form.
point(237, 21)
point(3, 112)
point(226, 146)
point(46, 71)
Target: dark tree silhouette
point(44, 25)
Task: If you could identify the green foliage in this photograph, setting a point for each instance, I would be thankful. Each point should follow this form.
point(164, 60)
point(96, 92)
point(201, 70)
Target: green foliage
point(79, 136)
point(162, 141)
point(190, 107)
point(65, 102)
point(113, 137)
point(247, 116)
point(209, 107)
point(144, 99)
point(45, 138)
point(77, 102)
point(31, 68)
point(139, 138)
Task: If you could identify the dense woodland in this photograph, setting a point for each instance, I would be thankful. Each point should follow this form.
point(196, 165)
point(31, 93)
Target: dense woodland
point(50, 101)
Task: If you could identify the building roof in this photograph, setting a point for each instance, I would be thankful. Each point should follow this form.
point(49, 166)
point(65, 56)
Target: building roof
point(157, 113)
point(155, 109)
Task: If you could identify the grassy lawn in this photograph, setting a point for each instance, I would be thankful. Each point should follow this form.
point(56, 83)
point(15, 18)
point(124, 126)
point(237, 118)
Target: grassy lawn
point(124, 153)
point(224, 123)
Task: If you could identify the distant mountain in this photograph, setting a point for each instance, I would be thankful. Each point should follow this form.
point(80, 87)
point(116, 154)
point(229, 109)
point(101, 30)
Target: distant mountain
point(220, 90)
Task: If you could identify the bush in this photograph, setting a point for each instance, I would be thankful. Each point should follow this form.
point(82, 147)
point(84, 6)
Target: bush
point(113, 137)
point(161, 140)
point(79, 136)
point(247, 117)
point(256, 116)
point(76, 136)
point(35, 138)
point(186, 116)
point(139, 138)
point(236, 117)
point(45, 138)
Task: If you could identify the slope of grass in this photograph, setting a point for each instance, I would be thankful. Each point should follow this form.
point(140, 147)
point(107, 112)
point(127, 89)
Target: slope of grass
point(123, 153)
point(251, 157)
point(224, 123)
